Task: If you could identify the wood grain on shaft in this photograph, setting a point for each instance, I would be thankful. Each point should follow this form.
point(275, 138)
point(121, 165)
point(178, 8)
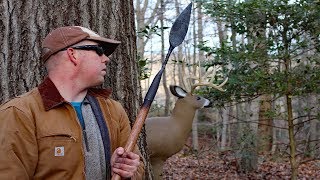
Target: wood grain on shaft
point(136, 129)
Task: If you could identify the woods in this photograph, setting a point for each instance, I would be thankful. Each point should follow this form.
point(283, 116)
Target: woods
point(268, 50)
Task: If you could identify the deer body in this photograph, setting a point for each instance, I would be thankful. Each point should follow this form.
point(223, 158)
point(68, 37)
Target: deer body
point(167, 135)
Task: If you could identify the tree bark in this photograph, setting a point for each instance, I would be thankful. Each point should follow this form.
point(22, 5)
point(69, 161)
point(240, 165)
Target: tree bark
point(179, 55)
point(288, 96)
point(195, 142)
point(201, 56)
point(195, 138)
point(248, 145)
point(265, 130)
point(24, 24)
point(312, 143)
point(224, 119)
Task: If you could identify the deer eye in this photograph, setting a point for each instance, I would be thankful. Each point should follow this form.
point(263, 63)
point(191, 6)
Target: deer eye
point(198, 98)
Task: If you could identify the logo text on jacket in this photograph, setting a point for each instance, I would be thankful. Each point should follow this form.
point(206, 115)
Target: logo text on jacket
point(59, 151)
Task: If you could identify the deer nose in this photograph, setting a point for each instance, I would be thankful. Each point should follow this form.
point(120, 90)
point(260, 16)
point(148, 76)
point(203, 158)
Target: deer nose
point(210, 104)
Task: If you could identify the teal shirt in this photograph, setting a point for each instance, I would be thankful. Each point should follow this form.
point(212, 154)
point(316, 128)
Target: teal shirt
point(77, 107)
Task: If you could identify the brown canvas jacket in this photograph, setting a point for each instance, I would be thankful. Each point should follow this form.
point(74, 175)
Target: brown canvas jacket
point(41, 138)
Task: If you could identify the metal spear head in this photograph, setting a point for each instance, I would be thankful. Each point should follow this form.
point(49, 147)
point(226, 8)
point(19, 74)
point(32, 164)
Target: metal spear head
point(179, 28)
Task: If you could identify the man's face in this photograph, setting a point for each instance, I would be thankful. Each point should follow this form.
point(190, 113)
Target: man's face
point(92, 66)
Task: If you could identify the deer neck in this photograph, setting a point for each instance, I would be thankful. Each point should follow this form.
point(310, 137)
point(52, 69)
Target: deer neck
point(183, 115)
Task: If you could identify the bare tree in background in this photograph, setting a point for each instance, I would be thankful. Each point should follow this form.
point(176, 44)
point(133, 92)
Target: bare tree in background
point(141, 8)
point(164, 77)
point(179, 53)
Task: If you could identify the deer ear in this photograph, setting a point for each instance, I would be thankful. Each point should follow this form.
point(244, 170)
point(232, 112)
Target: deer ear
point(178, 91)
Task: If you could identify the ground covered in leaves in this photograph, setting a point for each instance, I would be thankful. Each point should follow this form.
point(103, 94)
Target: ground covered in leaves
point(209, 164)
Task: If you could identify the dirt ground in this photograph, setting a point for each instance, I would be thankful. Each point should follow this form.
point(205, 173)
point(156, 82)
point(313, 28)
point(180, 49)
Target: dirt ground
point(209, 164)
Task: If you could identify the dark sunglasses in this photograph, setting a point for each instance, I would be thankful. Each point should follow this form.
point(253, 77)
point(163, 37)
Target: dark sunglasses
point(99, 49)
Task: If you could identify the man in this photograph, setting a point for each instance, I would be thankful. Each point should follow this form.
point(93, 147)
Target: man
point(65, 128)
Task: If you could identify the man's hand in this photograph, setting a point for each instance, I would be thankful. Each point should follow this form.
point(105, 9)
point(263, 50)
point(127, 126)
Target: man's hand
point(125, 164)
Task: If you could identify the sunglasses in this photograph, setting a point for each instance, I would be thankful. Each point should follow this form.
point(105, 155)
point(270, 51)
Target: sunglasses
point(99, 49)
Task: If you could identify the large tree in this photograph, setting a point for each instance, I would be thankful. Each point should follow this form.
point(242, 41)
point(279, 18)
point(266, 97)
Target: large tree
point(23, 25)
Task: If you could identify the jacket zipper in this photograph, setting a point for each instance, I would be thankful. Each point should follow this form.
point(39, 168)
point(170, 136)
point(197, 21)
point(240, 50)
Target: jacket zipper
point(82, 136)
point(83, 130)
point(85, 139)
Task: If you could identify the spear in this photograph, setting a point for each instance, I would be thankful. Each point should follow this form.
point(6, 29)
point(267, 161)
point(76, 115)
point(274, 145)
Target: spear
point(178, 32)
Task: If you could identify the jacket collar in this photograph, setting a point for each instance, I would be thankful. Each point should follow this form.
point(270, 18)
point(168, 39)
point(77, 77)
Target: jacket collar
point(51, 97)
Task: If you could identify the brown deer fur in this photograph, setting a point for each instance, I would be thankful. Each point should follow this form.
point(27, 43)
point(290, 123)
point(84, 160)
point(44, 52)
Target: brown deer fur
point(167, 135)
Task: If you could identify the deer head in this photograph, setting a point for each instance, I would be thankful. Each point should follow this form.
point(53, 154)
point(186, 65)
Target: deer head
point(196, 101)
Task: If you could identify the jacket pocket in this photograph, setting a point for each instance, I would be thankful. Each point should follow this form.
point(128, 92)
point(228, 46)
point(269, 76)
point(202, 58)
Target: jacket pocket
point(58, 137)
point(59, 154)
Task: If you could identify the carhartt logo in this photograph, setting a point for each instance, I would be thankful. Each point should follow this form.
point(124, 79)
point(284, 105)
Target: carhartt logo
point(59, 151)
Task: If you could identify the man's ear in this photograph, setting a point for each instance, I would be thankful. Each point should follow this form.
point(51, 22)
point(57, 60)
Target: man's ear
point(72, 56)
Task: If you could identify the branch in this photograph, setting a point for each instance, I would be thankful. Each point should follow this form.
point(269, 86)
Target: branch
point(255, 122)
point(315, 117)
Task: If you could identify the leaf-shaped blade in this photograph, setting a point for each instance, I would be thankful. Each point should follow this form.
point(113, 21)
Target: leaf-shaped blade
point(180, 27)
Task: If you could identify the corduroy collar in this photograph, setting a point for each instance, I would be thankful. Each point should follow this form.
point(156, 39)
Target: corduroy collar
point(51, 97)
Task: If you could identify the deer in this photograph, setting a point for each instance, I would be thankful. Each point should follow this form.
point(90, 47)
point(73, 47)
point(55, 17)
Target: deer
point(166, 136)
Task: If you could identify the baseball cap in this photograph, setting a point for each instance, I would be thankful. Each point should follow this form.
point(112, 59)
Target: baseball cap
point(64, 37)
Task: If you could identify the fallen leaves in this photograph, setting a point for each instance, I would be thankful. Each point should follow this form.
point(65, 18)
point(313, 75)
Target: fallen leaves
point(210, 164)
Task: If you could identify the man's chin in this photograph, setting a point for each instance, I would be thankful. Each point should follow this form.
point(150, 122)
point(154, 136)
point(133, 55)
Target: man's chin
point(98, 82)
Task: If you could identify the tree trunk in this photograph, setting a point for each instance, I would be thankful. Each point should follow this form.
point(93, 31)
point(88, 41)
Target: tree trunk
point(224, 119)
point(221, 33)
point(164, 77)
point(201, 56)
point(236, 127)
point(265, 123)
point(288, 96)
point(180, 55)
point(142, 21)
point(248, 160)
point(293, 161)
point(231, 115)
point(312, 139)
point(198, 38)
point(292, 140)
point(140, 17)
point(195, 141)
point(265, 130)
point(24, 24)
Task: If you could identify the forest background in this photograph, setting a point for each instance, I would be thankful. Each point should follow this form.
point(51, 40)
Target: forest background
point(268, 50)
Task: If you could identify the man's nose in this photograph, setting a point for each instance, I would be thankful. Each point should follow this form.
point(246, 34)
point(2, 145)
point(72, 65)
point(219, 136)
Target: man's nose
point(105, 59)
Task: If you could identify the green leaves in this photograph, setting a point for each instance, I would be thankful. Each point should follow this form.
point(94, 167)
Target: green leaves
point(144, 71)
point(279, 52)
point(150, 30)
